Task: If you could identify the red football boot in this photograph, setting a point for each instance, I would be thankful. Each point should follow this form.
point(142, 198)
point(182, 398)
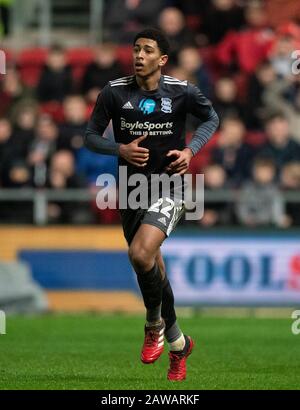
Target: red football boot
point(153, 343)
point(177, 370)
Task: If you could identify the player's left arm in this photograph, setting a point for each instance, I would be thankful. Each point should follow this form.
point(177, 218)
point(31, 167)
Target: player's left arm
point(200, 107)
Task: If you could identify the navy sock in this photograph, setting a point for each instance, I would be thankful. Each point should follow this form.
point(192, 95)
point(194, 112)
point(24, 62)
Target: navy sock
point(151, 287)
point(167, 307)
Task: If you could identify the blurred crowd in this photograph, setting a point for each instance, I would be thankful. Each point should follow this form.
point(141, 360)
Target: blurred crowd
point(240, 54)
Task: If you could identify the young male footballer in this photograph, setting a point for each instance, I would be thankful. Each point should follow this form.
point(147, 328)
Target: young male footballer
point(148, 112)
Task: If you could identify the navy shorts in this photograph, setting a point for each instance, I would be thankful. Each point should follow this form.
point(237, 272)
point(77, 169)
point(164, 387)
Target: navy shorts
point(164, 214)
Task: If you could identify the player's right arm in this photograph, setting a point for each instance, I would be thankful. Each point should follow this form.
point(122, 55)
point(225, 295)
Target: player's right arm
point(97, 124)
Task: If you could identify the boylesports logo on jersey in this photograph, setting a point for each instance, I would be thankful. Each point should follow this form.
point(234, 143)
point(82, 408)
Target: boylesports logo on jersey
point(147, 105)
point(153, 128)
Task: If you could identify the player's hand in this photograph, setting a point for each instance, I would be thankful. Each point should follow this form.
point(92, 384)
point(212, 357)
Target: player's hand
point(134, 154)
point(182, 162)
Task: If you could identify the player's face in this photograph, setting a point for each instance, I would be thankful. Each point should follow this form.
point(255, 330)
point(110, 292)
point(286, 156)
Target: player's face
point(147, 57)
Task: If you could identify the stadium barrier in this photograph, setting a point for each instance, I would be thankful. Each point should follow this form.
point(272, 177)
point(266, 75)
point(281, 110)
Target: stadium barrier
point(87, 267)
point(41, 197)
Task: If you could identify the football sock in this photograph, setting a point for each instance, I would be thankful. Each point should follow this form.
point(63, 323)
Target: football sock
point(153, 316)
point(167, 307)
point(179, 344)
point(173, 334)
point(153, 323)
point(151, 287)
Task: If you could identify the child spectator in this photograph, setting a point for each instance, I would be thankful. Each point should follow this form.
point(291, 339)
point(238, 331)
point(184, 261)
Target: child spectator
point(73, 128)
point(42, 148)
point(226, 99)
point(62, 175)
point(280, 147)
point(260, 202)
point(231, 152)
point(189, 58)
point(290, 181)
point(283, 95)
point(215, 212)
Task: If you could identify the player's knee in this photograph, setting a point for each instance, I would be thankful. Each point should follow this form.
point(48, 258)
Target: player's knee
point(140, 258)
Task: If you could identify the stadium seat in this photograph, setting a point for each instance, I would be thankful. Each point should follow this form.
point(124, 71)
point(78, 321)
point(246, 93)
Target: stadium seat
point(54, 109)
point(208, 55)
point(193, 22)
point(79, 59)
point(200, 161)
point(30, 62)
point(124, 56)
point(255, 138)
point(9, 55)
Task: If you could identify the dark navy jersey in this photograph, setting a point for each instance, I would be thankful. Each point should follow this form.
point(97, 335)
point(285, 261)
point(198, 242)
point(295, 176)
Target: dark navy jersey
point(160, 113)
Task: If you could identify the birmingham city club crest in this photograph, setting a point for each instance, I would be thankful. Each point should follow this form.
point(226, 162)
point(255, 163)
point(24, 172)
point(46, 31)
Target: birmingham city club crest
point(166, 105)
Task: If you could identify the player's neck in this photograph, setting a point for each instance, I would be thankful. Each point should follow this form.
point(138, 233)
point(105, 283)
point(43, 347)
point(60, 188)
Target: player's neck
point(149, 83)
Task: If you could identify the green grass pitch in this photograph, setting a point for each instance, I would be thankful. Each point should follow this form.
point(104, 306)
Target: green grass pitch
point(91, 351)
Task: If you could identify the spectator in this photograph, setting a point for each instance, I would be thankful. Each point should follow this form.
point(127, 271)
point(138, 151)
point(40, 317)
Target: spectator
point(92, 165)
point(255, 109)
point(215, 212)
point(12, 91)
point(24, 120)
point(191, 61)
point(194, 11)
point(226, 99)
point(123, 18)
point(74, 126)
point(281, 56)
point(260, 202)
point(17, 175)
point(244, 50)
point(62, 175)
point(279, 146)
point(172, 23)
point(5, 145)
point(283, 95)
point(42, 148)
point(221, 16)
point(56, 78)
point(290, 181)
point(232, 153)
point(104, 68)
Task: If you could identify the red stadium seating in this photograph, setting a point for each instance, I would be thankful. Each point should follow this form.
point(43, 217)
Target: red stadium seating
point(200, 161)
point(79, 59)
point(30, 62)
point(124, 55)
point(54, 109)
point(255, 138)
point(9, 55)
